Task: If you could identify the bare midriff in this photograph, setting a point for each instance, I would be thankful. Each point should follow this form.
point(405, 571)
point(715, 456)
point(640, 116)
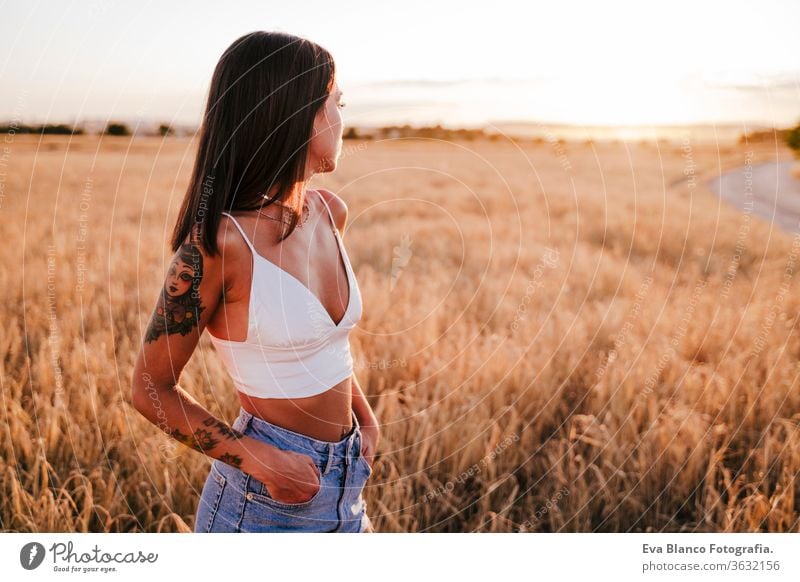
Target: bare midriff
point(325, 417)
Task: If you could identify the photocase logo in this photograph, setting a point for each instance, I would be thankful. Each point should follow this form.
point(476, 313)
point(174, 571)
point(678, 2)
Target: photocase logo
point(31, 555)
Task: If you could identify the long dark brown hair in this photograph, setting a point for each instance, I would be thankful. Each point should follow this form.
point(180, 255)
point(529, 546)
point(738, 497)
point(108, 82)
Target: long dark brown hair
point(265, 92)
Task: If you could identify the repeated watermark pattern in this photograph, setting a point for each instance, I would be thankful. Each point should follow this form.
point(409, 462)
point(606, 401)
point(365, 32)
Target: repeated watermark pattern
point(549, 261)
point(54, 336)
point(384, 364)
point(168, 448)
point(349, 150)
point(83, 233)
point(557, 145)
point(205, 194)
point(690, 168)
point(622, 336)
point(473, 470)
point(670, 352)
point(543, 510)
point(769, 321)
point(8, 139)
point(744, 227)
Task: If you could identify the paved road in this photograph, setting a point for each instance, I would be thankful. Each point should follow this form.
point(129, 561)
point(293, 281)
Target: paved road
point(769, 190)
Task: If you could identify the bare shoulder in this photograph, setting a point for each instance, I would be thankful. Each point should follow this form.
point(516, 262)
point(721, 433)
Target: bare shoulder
point(337, 206)
point(234, 251)
point(230, 243)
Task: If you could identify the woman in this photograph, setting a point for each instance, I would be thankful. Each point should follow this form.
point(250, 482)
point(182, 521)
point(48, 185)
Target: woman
point(260, 263)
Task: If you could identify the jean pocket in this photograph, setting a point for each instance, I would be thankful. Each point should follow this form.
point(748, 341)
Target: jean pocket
point(259, 493)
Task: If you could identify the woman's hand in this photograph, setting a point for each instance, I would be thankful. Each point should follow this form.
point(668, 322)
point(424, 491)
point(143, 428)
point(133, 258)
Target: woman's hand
point(369, 446)
point(289, 477)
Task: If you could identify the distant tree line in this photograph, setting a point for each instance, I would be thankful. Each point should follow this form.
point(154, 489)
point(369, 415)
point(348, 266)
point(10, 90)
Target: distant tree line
point(790, 137)
point(115, 128)
point(793, 139)
point(767, 135)
point(434, 132)
point(46, 129)
point(112, 128)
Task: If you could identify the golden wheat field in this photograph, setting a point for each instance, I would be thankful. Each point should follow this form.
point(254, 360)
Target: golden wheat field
point(566, 337)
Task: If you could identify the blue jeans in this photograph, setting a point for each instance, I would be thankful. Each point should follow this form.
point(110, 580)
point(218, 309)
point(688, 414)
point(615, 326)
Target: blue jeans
point(233, 501)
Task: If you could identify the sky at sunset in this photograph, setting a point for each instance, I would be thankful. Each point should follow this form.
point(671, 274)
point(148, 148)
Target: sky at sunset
point(454, 63)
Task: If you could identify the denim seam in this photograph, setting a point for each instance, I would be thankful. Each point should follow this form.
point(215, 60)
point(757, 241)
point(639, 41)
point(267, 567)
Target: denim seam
point(220, 487)
point(242, 499)
point(342, 492)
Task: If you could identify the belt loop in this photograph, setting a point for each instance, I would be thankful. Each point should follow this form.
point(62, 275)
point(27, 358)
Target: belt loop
point(349, 451)
point(330, 459)
point(240, 422)
point(246, 419)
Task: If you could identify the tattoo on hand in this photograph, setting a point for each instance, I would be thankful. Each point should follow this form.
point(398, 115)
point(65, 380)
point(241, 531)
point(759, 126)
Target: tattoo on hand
point(179, 307)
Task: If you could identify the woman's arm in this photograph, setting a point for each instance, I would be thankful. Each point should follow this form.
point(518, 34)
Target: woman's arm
point(361, 407)
point(366, 419)
point(192, 291)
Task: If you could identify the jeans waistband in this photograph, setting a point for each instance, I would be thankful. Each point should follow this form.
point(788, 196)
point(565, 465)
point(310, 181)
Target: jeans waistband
point(323, 453)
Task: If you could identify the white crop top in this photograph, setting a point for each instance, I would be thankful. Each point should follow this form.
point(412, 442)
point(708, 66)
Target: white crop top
point(293, 347)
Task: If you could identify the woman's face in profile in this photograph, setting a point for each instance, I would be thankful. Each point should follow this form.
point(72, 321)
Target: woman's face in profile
point(326, 143)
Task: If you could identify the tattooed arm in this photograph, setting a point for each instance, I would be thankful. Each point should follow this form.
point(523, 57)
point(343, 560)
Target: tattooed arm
point(192, 291)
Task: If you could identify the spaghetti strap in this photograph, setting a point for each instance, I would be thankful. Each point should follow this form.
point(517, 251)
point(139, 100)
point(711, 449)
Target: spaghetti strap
point(333, 222)
point(241, 230)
